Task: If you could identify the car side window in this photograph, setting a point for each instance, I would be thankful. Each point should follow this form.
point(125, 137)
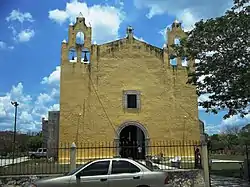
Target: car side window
point(97, 168)
point(122, 166)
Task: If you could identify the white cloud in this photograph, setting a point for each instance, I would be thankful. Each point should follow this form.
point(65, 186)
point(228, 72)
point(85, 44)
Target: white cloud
point(105, 20)
point(212, 128)
point(188, 19)
point(187, 12)
point(163, 32)
point(25, 35)
point(3, 46)
point(237, 120)
point(19, 33)
point(16, 15)
point(53, 78)
point(58, 16)
point(31, 108)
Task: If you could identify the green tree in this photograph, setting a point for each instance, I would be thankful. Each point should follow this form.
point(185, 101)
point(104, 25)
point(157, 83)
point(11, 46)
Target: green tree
point(244, 134)
point(35, 142)
point(222, 47)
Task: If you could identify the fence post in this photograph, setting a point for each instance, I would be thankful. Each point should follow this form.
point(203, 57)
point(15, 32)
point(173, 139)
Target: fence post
point(205, 164)
point(246, 164)
point(73, 156)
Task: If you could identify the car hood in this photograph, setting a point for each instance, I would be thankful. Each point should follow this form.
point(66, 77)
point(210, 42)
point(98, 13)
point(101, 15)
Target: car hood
point(53, 180)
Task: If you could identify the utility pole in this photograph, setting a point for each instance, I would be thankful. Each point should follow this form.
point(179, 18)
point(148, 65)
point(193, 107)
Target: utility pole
point(15, 104)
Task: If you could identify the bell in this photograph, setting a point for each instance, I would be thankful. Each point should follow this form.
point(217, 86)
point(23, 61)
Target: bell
point(73, 58)
point(85, 57)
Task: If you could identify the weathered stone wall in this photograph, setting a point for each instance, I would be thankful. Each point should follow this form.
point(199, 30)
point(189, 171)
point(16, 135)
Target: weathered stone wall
point(186, 178)
point(182, 178)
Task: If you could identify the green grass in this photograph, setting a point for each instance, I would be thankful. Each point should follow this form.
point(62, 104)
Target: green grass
point(228, 157)
point(227, 169)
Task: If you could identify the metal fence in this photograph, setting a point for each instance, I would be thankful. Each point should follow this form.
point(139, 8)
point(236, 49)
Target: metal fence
point(166, 155)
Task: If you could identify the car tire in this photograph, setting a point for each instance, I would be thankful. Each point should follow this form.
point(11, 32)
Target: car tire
point(32, 156)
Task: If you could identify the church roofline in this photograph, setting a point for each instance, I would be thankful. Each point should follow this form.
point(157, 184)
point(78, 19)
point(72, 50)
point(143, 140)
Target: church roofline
point(125, 38)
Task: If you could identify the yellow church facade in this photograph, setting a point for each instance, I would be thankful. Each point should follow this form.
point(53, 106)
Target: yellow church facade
point(125, 89)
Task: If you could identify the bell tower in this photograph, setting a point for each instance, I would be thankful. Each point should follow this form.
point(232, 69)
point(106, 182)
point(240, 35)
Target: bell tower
point(78, 47)
point(76, 60)
point(174, 35)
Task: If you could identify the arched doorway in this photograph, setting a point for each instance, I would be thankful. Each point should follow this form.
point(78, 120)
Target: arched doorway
point(133, 140)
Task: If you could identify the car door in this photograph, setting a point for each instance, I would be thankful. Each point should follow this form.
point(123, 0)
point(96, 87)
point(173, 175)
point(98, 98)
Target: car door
point(39, 152)
point(124, 174)
point(93, 175)
point(44, 154)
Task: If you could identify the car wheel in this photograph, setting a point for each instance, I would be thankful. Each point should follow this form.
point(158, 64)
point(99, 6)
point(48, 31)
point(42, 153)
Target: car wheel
point(32, 157)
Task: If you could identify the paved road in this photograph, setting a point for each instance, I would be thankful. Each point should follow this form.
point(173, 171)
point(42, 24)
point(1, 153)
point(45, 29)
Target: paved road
point(6, 162)
point(217, 181)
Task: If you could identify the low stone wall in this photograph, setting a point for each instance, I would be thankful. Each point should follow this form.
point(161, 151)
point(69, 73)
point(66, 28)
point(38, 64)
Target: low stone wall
point(21, 181)
point(186, 178)
point(179, 178)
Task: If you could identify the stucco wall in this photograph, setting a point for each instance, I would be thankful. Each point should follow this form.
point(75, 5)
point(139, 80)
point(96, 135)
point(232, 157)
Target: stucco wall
point(91, 101)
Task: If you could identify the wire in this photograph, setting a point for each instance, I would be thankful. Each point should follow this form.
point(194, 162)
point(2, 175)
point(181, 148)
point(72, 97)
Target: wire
point(106, 114)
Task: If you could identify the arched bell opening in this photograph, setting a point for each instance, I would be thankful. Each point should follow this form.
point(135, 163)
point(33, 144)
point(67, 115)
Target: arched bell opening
point(177, 41)
point(72, 55)
point(80, 38)
point(173, 62)
point(184, 61)
point(85, 56)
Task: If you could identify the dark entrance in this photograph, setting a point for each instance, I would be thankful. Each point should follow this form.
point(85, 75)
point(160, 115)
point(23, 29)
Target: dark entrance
point(132, 142)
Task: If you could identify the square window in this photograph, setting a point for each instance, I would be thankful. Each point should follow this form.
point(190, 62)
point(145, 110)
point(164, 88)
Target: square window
point(132, 101)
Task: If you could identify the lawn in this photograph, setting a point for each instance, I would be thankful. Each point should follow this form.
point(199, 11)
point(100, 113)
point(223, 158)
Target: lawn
point(227, 169)
point(228, 157)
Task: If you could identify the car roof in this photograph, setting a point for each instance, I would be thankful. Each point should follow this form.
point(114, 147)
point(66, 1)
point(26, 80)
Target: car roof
point(109, 159)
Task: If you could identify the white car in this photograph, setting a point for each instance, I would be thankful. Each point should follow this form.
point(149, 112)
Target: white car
point(115, 172)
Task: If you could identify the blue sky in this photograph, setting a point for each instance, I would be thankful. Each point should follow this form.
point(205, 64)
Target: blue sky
point(31, 33)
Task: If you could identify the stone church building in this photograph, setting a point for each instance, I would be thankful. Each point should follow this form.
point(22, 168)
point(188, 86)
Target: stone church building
point(126, 88)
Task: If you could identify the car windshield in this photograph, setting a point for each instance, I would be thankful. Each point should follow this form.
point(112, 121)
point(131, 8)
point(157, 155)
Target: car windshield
point(149, 168)
point(77, 169)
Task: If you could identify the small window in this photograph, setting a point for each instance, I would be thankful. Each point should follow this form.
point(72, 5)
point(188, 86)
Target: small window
point(132, 101)
point(123, 167)
point(97, 168)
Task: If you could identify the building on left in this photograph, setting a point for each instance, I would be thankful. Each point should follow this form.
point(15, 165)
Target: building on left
point(50, 130)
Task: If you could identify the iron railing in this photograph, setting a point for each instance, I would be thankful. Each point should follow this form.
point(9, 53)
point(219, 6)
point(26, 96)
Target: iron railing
point(163, 154)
